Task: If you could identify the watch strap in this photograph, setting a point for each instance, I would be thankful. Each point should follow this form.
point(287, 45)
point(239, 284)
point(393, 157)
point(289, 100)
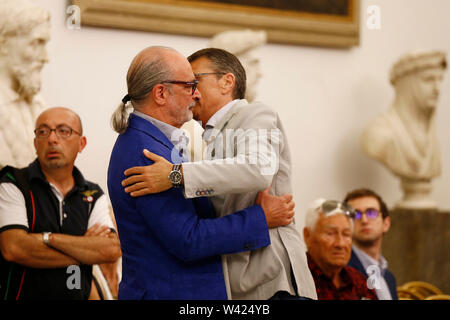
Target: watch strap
point(176, 168)
point(46, 238)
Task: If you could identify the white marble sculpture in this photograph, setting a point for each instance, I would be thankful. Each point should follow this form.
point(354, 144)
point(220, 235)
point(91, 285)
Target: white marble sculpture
point(404, 137)
point(243, 44)
point(24, 33)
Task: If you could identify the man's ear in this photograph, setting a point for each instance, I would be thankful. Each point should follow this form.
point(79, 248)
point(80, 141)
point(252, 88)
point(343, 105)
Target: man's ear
point(227, 83)
point(83, 143)
point(306, 235)
point(386, 224)
point(159, 94)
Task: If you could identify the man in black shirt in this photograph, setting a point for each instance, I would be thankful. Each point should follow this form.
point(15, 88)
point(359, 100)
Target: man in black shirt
point(54, 225)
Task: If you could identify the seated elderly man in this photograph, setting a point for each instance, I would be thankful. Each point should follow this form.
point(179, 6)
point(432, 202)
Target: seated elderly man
point(328, 237)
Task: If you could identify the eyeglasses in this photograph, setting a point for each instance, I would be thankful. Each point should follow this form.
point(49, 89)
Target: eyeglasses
point(370, 213)
point(208, 73)
point(331, 206)
point(193, 83)
point(61, 131)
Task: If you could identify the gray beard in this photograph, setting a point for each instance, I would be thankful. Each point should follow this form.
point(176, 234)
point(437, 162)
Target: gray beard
point(28, 82)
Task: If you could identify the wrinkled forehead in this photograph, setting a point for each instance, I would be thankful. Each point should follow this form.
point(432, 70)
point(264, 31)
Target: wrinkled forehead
point(202, 64)
point(337, 221)
point(176, 61)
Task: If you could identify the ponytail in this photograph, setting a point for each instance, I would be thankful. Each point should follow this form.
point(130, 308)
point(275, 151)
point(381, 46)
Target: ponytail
point(119, 119)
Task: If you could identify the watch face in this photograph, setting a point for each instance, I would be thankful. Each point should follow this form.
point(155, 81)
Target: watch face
point(175, 177)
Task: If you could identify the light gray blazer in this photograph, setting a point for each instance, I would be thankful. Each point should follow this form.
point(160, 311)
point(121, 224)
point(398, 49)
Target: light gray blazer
point(247, 152)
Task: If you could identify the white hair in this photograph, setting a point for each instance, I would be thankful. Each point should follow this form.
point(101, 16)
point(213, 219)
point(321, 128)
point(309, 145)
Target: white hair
point(314, 210)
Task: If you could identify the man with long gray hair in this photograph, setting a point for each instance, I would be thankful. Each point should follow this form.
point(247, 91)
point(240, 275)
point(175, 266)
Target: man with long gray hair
point(172, 245)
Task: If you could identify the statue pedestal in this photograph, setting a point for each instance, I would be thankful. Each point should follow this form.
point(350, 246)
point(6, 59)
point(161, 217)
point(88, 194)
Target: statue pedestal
point(416, 196)
point(417, 247)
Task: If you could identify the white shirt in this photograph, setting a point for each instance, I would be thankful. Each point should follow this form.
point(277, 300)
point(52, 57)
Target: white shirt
point(370, 265)
point(212, 122)
point(175, 135)
point(13, 208)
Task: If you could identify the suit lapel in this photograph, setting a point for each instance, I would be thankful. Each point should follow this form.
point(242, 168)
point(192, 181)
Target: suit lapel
point(227, 117)
point(149, 129)
point(357, 264)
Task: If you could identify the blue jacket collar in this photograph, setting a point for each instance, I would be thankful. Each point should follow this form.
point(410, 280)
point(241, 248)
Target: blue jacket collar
point(148, 128)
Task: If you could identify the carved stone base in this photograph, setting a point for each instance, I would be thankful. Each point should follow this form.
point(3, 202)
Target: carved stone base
point(417, 247)
point(416, 196)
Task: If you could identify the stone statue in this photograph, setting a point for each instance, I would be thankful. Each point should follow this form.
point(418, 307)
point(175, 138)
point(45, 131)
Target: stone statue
point(404, 137)
point(243, 43)
point(24, 33)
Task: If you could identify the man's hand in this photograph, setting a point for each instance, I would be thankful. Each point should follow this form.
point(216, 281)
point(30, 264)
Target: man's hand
point(98, 230)
point(279, 210)
point(149, 179)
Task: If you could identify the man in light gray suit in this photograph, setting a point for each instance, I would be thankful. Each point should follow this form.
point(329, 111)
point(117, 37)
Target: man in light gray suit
point(247, 151)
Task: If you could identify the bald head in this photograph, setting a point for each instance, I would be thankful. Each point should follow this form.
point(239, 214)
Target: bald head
point(150, 67)
point(65, 115)
point(58, 139)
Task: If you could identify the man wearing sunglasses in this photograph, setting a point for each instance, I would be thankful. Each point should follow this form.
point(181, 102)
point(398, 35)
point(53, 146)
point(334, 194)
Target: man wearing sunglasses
point(54, 224)
point(328, 236)
point(372, 221)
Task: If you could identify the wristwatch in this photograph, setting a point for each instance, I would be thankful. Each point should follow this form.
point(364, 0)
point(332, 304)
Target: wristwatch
point(46, 238)
point(175, 176)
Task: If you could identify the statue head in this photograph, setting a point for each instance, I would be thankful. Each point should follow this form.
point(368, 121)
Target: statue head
point(243, 43)
point(24, 33)
point(417, 77)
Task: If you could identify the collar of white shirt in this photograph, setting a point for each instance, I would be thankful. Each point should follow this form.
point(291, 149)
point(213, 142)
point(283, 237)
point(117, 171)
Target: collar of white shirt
point(175, 135)
point(381, 287)
point(367, 260)
point(214, 120)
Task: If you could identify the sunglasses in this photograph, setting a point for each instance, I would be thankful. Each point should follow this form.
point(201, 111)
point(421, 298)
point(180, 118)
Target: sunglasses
point(370, 213)
point(331, 206)
point(192, 83)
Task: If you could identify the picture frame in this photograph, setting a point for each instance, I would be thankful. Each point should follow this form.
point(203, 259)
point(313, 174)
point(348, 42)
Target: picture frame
point(205, 18)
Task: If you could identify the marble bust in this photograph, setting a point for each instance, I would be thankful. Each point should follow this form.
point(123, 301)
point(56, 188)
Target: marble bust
point(24, 33)
point(243, 44)
point(404, 137)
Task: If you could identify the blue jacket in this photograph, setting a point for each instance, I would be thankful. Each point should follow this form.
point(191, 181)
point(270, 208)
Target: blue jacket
point(171, 245)
point(388, 276)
